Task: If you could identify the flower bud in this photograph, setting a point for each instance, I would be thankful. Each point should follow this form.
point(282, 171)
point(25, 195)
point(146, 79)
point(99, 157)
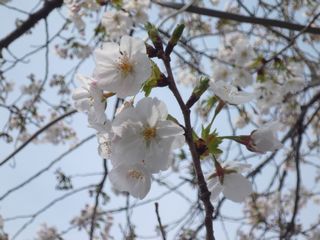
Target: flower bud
point(154, 36)
point(176, 35)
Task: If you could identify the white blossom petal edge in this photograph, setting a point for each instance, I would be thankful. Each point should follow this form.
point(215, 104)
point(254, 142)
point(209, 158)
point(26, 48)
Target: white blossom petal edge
point(230, 94)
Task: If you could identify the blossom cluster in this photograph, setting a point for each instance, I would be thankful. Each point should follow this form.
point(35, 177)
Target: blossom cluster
point(140, 139)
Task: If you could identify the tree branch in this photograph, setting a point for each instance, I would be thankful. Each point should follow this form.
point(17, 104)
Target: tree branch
point(240, 18)
point(36, 135)
point(204, 192)
point(156, 204)
point(48, 7)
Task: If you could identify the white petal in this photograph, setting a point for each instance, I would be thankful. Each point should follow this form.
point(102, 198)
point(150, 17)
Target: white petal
point(168, 128)
point(215, 188)
point(130, 148)
point(143, 67)
point(147, 111)
point(237, 166)
point(79, 93)
point(108, 53)
point(134, 179)
point(236, 187)
point(132, 45)
point(158, 155)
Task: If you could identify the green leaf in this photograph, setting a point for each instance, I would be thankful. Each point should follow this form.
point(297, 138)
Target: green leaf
point(213, 142)
point(152, 81)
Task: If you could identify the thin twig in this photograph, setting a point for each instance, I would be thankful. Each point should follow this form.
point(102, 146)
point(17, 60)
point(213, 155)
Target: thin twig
point(99, 191)
point(159, 221)
point(36, 134)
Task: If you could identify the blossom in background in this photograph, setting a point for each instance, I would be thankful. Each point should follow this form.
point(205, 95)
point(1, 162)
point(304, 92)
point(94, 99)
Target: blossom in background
point(143, 135)
point(79, 9)
point(242, 52)
point(230, 94)
point(85, 219)
point(47, 233)
point(116, 23)
point(122, 69)
point(134, 178)
point(242, 77)
point(138, 10)
point(187, 78)
point(221, 72)
point(233, 185)
point(264, 138)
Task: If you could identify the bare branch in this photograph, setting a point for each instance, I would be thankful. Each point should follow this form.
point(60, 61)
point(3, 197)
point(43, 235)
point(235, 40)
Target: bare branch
point(33, 19)
point(36, 134)
point(240, 18)
point(156, 204)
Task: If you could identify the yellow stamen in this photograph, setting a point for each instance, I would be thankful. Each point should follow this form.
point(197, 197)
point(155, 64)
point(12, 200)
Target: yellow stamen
point(135, 174)
point(149, 133)
point(124, 65)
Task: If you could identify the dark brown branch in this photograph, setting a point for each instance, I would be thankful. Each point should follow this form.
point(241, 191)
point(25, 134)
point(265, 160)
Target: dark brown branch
point(43, 13)
point(203, 189)
point(96, 205)
point(36, 134)
point(159, 221)
point(240, 18)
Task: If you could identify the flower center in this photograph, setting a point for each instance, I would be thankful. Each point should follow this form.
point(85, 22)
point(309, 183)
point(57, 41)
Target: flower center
point(124, 65)
point(149, 133)
point(135, 174)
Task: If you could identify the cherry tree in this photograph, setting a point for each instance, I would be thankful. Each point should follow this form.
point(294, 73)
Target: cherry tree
point(199, 118)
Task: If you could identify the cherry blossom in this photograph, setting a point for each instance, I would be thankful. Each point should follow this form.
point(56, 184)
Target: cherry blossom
point(116, 23)
point(143, 135)
point(89, 98)
point(137, 10)
point(228, 93)
point(134, 178)
point(47, 233)
point(233, 185)
point(264, 138)
point(122, 69)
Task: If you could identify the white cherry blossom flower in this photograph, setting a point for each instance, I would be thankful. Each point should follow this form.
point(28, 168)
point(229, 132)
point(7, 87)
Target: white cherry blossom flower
point(89, 98)
point(234, 186)
point(269, 94)
point(83, 221)
point(131, 177)
point(294, 85)
point(221, 72)
point(116, 23)
point(187, 78)
point(143, 135)
point(230, 94)
point(264, 138)
point(122, 69)
point(242, 52)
